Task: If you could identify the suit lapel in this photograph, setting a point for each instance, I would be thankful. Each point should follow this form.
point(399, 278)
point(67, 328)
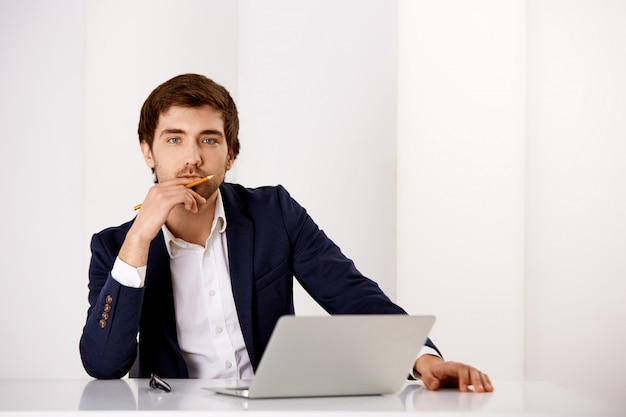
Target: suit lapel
point(159, 283)
point(240, 237)
point(160, 311)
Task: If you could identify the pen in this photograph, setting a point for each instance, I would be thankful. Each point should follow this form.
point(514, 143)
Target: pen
point(157, 382)
point(190, 185)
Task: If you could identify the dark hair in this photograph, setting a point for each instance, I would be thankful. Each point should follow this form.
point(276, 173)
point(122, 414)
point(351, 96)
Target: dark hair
point(189, 90)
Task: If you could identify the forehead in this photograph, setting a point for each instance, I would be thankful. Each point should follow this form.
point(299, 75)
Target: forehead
point(183, 117)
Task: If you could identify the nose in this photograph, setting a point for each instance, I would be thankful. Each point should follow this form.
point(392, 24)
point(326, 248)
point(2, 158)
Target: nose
point(192, 155)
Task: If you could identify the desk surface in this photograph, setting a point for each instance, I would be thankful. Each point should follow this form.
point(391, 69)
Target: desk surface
point(188, 397)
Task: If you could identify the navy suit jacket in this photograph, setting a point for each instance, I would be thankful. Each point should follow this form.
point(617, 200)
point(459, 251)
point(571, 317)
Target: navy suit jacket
point(271, 239)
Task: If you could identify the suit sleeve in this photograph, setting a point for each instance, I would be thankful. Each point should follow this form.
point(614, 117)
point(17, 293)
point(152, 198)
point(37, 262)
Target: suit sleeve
point(326, 273)
point(108, 345)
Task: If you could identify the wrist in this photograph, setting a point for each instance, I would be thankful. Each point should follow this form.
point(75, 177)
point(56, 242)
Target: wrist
point(134, 250)
point(425, 362)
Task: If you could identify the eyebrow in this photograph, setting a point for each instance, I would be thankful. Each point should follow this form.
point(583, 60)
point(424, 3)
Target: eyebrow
point(181, 131)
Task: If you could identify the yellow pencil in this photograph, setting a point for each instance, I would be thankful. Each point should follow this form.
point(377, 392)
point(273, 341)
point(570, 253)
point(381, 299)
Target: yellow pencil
point(190, 185)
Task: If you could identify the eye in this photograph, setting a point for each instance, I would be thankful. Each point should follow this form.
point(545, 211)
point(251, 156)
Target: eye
point(209, 141)
point(174, 140)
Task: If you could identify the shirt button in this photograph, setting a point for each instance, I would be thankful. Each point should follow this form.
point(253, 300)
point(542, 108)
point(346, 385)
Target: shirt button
point(218, 330)
point(229, 364)
point(212, 293)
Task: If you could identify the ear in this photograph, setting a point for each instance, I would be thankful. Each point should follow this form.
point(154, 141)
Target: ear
point(147, 154)
point(230, 159)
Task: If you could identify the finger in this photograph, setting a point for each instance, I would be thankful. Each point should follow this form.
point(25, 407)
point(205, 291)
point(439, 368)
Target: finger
point(175, 181)
point(190, 204)
point(194, 200)
point(199, 199)
point(477, 379)
point(464, 378)
point(487, 383)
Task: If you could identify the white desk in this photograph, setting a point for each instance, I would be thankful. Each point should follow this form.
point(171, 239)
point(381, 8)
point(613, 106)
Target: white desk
point(188, 398)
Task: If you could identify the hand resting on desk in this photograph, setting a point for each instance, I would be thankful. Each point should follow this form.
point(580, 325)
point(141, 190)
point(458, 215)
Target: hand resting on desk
point(436, 373)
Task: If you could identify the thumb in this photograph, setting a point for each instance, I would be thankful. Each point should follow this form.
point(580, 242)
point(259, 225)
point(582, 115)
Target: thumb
point(431, 382)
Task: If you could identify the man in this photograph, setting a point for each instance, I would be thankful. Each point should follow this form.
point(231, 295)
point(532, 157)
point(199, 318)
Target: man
point(194, 285)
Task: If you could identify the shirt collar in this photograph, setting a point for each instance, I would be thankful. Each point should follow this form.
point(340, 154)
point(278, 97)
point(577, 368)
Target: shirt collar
point(219, 224)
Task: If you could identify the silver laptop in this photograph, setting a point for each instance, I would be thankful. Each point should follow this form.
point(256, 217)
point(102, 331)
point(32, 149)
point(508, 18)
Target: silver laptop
point(336, 356)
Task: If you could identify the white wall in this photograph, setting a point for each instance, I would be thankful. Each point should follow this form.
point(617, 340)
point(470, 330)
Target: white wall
point(461, 137)
point(317, 101)
point(576, 220)
point(511, 197)
point(41, 165)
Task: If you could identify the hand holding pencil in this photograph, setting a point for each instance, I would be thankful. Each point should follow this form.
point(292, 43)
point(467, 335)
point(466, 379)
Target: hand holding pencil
point(190, 185)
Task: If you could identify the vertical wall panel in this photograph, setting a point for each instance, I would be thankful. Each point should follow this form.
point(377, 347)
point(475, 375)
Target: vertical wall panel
point(461, 176)
point(317, 82)
point(41, 113)
point(576, 267)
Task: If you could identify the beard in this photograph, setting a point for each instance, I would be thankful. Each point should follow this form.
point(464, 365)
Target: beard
point(207, 189)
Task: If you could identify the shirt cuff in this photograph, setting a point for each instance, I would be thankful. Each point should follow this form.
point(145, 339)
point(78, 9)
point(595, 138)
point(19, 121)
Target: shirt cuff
point(127, 275)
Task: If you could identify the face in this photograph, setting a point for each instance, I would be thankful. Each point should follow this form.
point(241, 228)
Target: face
point(190, 142)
